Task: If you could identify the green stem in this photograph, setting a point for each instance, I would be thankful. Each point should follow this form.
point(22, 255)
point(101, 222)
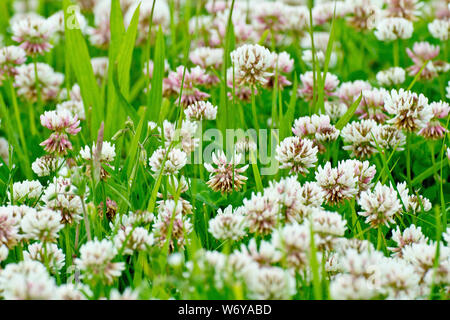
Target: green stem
point(379, 239)
point(255, 115)
point(408, 160)
point(38, 85)
point(31, 119)
point(396, 53)
point(17, 115)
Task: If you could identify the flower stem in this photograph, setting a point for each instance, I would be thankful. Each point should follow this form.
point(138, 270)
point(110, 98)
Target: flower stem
point(379, 239)
point(17, 115)
point(408, 160)
point(396, 53)
point(38, 85)
point(255, 116)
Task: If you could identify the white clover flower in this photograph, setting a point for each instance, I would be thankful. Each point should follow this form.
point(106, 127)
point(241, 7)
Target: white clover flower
point(245, 144)
point(440, 29)
point(296, 154)
point(133, 239)
point(10, 58)
point(161, 16)
point(95, 261)
point(271, 283)
point(100, 67)
point(45, 165)
point(410, 111)
point(389, 29)
point(358, 138)
point(388, 137)
point(49, 81)
point(413, 202)
point(347, 287)
point(261, 212)
point(251, 63)
point(170, 214)
point(360, 264)
point(293, 241)
point(8, 228)
point(327, 226)
point(391, 76)
point(184, 135)
point(56, 23)
point(448, 90)
point(228, 224)
point(43, 225)
point(422, 256)
point(344, 244)
point(60, 196)
point(380, 206)
point(296, 201)
point(49, 255)
point(226, 176)
point(339, 183)
point(410, 235)
point(108, 152)
point(127, 294)
point(70, 291)
point(364, 171)
point(335, 110)
point(408, 9)
point(307, 56)
point(26, 191)
point(435, 129)
point(175, 161)
point(76, 108)
point(349, 91)
point(27, 280)
point(33, 33)
point(201, 110)
point(206, 57)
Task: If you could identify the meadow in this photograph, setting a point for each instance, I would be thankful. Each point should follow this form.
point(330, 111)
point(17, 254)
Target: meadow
point(224, 149)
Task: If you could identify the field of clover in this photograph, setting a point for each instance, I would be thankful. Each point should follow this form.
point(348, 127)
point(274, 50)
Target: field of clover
point(224, 149)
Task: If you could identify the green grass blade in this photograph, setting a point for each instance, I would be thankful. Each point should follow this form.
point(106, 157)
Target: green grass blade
point(349, 114)
point(81, 65)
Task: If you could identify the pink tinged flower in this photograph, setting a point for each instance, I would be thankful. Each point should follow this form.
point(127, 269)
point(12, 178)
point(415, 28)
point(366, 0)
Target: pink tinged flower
point(372, 105)
point(192, 78)
point(339, 183)
point(296, 154)
point(49, 80)
point(251, 64)
point(8, 229)
point(410, 111)
point(408, 9)
point(33, 33)
point(421, 52)
point(350, 91)
point(435, 129)
point(358, 138)
point(261, 212)
point(57, 143)
point(10, 57)
point(226, 176)
point(206, 57)
point(62, 123)
point(201, 110)
point(380, 206)
point(364, 172)
point(307, 88)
